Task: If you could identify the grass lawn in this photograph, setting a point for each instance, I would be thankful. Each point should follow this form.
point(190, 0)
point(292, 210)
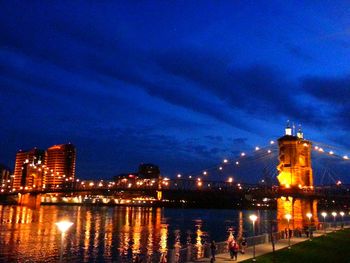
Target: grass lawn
point(335, 247)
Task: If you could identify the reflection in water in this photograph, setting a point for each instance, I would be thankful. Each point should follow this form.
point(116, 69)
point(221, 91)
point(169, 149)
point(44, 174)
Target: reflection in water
point(110, 234)
point(297, 208)
point(199, 239)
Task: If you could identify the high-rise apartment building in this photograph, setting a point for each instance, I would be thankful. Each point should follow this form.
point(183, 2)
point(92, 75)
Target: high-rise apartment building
point(60, 162)
point(34, 157)
point(44, 169)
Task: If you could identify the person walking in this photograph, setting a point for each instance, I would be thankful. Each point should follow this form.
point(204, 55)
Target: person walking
point(243, 245)
point(235, 250)
point(231, 245)
point(212, 250)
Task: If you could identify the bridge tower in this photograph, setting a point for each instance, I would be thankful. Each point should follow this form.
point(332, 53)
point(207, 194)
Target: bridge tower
point(295, 169)
point(295, 179)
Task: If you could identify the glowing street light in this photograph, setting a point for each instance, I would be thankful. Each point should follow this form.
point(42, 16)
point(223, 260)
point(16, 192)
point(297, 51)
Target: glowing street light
point(225, 161)
point(309, 215)
point(334, 214)
point(342, 218)
point(324, 214)
point(253, 218)
point(288, 217)
point(63, 226)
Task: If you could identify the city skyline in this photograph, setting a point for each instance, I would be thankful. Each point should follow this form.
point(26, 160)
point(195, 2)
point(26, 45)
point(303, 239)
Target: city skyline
point(179, 85)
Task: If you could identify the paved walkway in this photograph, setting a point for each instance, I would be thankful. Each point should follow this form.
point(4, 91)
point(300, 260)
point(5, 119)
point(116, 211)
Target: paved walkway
point(261, 249)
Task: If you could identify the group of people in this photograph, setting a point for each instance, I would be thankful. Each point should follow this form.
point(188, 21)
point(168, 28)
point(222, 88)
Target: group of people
point(234, 247)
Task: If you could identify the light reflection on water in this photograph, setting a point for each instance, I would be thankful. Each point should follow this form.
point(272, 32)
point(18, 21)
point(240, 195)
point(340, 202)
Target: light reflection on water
point(106, 234)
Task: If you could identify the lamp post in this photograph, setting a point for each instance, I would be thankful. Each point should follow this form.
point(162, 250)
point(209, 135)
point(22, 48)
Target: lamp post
point(309, 215)
point(253, 218)
point(288, 217)
point(334, 214)
point(342, 219)
point(324, 214)
point(63, 226)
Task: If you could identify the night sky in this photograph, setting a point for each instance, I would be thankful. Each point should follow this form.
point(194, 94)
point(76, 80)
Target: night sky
point(182, 84)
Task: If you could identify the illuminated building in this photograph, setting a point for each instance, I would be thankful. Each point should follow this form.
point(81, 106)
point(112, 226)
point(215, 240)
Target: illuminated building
point(34, 156)
point(32, 175)
point(295, 174)
point(5, 178)
point(60, 162)
point(5, 174)
point(295, 160)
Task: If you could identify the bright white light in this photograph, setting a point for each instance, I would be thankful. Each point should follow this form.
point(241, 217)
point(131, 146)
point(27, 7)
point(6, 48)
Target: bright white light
point(220, 168)
point(321, 150)
point(253, 218)
point(205, 173)
point(316, 147)
point(342, 213)
point(179, 176)
point(345, 157)
point(237, 163)
point(272, 142)
point(242, 154)
point(230, 180)
point(309, 215)
point(225, 161)
point(334, 214)
point(257, 148)
point(63, 226)
point(324, 214)
point(288, 216)
point(268, 151)
point(331, 152)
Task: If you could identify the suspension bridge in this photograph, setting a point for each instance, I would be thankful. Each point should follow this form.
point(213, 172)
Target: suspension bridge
point(249, 177)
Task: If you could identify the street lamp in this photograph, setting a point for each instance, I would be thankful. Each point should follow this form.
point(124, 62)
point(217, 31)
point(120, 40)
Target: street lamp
point(309, 215)
point(63, 226)
point(253, 218)
point(342, 219)
point(288, 217)
point(324, 214)
point(334, 214)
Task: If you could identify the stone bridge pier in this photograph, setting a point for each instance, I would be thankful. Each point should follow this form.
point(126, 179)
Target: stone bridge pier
point(31, 200)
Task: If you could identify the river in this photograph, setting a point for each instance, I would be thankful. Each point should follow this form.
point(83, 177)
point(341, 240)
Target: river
point(105, 234)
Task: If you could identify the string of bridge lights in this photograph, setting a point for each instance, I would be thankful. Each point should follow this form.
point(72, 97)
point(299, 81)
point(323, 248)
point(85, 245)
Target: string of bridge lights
point(267, 150)
point(329, 152)
point(236, 161)
point(332, 153)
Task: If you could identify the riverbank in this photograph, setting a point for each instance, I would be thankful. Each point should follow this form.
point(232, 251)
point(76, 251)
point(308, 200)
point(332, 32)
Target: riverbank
point(332, 247)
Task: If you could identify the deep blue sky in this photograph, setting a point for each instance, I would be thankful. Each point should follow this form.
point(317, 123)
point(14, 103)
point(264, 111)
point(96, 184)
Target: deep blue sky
point(178, 83)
